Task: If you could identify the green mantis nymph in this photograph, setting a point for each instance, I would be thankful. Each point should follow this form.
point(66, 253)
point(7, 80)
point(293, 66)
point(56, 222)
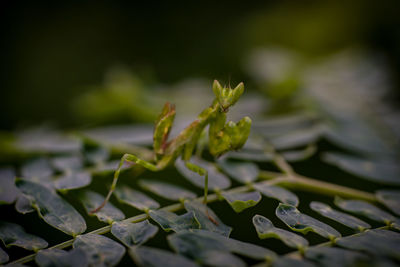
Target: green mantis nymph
point(223, 136)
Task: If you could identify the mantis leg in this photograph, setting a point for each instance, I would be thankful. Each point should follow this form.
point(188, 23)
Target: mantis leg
point(125, 158)
point(203, 172)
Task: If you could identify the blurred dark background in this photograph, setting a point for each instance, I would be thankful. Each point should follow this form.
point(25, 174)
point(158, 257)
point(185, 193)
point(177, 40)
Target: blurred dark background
point(51, 50)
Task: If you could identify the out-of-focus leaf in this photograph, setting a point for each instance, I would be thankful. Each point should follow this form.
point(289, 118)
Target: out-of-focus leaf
point(123, 134)
point(353, 133)
point(303, 223)
point(170, 221)
point(278, 193)
point(203, 214)
point(265, 229)
point(61, 258)
point(3, 256)
point(250, 155)
point(332, 257)
point(108, 214)
point(95, 156)
point(38, 170)
point(384, 172)
point(154, 257)
point(134, 233)
point(14, 235)
point(299, 155)
point(166, 190)
point(390, 198)
point(280, 125)
point(290, 262)
point(216, 179)
point(343, 218)
point(377, 242)
point(47, 141)
point(298, 138)
point(365, 209)
point(52, 208)
point(23, 204)
point(73, 180)
point(8, 191)
point(260, 155)
point(135, 198)
point(242, 201)
point(67, 163)
point(193, 243)
point(219, 259)
point(243, 172)
point(100, 250)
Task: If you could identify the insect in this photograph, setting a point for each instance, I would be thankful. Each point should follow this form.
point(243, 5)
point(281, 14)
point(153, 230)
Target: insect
point(223, 137)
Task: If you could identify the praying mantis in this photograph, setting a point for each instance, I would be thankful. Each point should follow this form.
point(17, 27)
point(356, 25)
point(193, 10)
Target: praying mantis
point(223, 137)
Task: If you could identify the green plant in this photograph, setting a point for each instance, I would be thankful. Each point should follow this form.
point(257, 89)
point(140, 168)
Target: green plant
point(266, 184)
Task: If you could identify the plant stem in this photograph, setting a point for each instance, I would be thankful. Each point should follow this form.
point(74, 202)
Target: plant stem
point(300, 182)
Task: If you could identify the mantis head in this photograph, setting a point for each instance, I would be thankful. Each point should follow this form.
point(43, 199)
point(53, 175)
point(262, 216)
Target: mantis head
point(227, 96)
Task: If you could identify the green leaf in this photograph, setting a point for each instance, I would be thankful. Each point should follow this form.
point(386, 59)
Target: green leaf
point(332, 257)
point(384, 172)
point(265, 229)
point(390, 198)
point(343, 218)
point(122, 134)
point(100, 250)
point(170, 221)
point(8, 191)
point(3, 256)
point(47, 140)
point(134, 233)
point(154, 257)
point(278, 193)
point(219, 259)
point(299, 155)
point(135, 198)
point(73, 180)
point(377, 242)
point(243, 172)
point(264, 156)
point(61, 258)
point(303, 223)
point(52, 208)
point(14, 235)
point(242, 201)
point(67, 163)
point(203, 214)
point(250, 155)
point(166, 190)
point(194, 242)
point(353, 133)
point(290, 262)
point(216, 179)
point(108, 214)
point(365, 209)
point(96, 156)
point(23, 204)
point(298, 138)
point(38, 170)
